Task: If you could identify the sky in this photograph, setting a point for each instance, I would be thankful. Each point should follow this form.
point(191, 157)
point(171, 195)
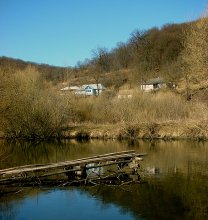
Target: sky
point(63, 32)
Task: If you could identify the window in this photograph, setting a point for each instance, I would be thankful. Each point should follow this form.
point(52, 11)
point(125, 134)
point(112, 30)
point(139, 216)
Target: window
point(156, 86)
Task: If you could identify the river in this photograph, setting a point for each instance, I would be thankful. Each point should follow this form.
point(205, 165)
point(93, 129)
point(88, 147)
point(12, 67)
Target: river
point(174, 183)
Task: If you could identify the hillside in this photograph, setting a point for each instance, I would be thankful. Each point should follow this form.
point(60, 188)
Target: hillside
point(33, 108)
point(53, 73)
point(146, 54)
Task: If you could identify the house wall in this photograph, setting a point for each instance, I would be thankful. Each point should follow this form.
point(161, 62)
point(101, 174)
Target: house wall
point(153, 86)
point(163, 85)
point(79, 93)
point(89, 91)
point(92, 91)
point(100, 91)
point(86, 91)
point(147, 87)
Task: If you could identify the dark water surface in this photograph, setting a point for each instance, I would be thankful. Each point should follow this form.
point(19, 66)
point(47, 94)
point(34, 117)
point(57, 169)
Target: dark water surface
point(174, 174)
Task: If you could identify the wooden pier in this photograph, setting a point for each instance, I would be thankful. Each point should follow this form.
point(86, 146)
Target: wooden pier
point(116, 168)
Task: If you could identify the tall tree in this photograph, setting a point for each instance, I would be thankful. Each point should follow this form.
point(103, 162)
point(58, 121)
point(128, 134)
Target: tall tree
point(122, 55)
point(195, 54)
point(100, 64)
point(101, 59)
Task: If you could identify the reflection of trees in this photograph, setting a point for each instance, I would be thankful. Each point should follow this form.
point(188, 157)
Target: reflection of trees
point(6, 211)
point(24, 152)
point(45, 152)
point(9, 208)
point(174, 197)
point(20, 153)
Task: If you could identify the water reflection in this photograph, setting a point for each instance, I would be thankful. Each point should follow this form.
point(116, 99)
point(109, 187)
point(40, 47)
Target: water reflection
point(21, 153)
point(173, 197)
point(62, 204)
point(175, 183)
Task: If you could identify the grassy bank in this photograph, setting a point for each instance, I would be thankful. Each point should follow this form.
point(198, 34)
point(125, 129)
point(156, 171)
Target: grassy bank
point(164, 114)
point(33, 109)
point(166, 131)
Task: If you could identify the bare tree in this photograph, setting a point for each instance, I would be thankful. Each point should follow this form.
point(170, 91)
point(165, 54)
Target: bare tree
point(122, 55)
point(101, 59)
point(100, 64)
point(195, 54)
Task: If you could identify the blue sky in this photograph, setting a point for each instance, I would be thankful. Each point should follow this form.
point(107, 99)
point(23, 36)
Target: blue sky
point(63, 32)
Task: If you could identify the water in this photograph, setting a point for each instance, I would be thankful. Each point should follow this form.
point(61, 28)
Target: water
point(175, 186)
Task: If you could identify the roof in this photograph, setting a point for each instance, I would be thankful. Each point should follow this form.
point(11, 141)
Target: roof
point(65, 88)
point(83, 87)
point(74, 88)
point(152, 81)
point(70, 88)
point(94, 86)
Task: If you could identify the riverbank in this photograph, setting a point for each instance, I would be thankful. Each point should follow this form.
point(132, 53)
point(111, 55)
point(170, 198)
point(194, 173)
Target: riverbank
point(194, 130)
point(166, 131)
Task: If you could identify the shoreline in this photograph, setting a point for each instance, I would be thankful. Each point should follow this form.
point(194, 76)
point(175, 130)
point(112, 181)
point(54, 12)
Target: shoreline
point(151, 131)
point(147, 131)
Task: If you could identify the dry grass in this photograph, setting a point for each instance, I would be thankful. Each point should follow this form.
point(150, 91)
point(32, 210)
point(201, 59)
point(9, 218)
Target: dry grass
point(146, 115)
point(142, 107)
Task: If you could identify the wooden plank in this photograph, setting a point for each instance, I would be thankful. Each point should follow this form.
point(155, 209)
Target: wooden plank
point(61, 172)
point(70, 163)
point(86, 158)
point(21, 167)
point(99, 158)
point(87, 168)
point(140, 155)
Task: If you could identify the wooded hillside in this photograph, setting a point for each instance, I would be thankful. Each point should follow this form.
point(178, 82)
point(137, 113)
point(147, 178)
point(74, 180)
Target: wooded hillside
point(147, 53)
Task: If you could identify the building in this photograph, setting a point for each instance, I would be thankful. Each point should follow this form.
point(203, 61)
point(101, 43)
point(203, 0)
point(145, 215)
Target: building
point(153, 84)
point(86, 90)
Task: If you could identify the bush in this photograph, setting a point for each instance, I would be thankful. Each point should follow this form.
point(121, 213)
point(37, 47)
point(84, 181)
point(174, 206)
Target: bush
point(31, 108)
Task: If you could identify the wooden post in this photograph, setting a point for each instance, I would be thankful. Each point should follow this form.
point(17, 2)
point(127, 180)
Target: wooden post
point(84, 172)
point(70, 174)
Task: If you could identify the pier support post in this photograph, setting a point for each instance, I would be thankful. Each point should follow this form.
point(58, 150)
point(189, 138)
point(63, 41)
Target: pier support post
point(70, 174)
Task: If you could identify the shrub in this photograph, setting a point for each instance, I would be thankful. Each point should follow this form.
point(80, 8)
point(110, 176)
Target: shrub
point(31, 108)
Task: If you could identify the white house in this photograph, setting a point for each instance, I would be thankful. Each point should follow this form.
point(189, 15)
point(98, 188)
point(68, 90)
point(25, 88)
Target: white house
point(153, 84)
point(91, 89)
point(86, 90)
